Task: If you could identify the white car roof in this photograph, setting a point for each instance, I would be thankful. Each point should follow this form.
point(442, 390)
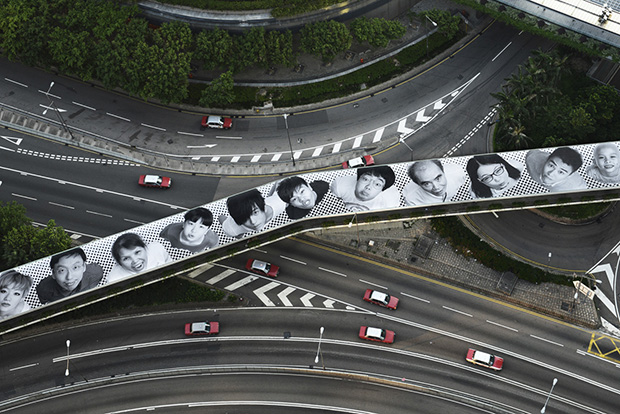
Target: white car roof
point(199, 326)
point(260, 265)
point(214, 119)
point(151, 179)
point(482, 357)
point(374, 332)
point(380, 296)
point(356, 162)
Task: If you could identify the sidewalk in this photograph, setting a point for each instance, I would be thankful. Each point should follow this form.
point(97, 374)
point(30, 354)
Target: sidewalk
point(415, 247)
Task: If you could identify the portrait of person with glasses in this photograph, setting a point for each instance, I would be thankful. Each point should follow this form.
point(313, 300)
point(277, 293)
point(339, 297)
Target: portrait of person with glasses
point(432, 182)
point(491, 175)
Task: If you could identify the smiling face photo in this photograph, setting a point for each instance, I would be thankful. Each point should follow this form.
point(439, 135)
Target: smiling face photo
point(607, 159)
point(133, 259)
point(68, 271)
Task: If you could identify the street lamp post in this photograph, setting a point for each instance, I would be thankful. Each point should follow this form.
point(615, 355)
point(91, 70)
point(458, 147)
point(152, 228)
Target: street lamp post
point(555, 381)
point(401, 139)
point(289, 137)
point(55, 108)
point(426, 24)
point(67, 370)
point(318, 351)
point(356, 228)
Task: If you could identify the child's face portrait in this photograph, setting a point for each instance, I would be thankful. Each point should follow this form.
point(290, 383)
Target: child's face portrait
point(193, 232)
point(257, 219)
point(68, 272)
point(494, 176)
point(134, 259)
point(10, 298)
point(368, 187)
point(303, 197)
point(607, 159)
point(555, 170)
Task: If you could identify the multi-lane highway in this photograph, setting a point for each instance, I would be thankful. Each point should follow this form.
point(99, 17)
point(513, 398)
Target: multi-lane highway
point(434, 325)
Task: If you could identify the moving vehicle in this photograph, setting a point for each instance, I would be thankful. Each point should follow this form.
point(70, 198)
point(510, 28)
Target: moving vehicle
point(262, 268)
point(217, 122)
point(202, 328)
point(381, 299)
point(155, 181)
point(484, 359)
point(359, 162)
point(377, 334)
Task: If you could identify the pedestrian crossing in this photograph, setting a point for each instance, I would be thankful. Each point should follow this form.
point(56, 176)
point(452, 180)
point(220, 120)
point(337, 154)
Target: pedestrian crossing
point(395, 131)
point(262, 290)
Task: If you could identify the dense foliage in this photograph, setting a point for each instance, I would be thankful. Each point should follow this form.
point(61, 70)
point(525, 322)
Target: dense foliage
point(545, 104)
point(21, 242)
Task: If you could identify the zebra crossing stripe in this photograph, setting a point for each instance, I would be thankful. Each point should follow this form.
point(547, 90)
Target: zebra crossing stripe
point(219, 277)
point(378, 135)
point(283, 296)
point(200, 271)
point(337, 146)
point(241, 282)
point(260, 293)
point(276, 157)
point(358, 141)
point(317, 152)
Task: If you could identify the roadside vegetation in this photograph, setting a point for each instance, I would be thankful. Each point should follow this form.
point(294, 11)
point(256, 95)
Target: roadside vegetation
point(21, 242)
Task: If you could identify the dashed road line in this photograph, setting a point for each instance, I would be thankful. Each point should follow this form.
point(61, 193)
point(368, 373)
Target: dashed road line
point(546, 340)
point(458, 311)
point(502, 326)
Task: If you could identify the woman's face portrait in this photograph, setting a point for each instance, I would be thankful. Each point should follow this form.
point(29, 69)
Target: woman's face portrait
point(193, 232)
point(607, 160)
point(134, 259)
point(257, 219)
point(494, 176)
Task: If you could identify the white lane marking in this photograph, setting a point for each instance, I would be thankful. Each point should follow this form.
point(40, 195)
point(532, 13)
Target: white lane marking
point(223, 137)
point(357, 141)
point(255, 158)
point(373, 284)
point(83, 106)
point(283, 296)
point(190, 134)
point(98, 214)
point(415, 297)
point(201, 146)
point(276, 157)
point(24, 366)
point(584, 353)
point(317, 152)
point(546, 340)
point(200, 270)
point(15, 82)
point(12, 140)
point(260, 293)
point(457, 311)
point(215, 159)
point(378, 135)
point(297, 154)
point(502, 326)
point(328, 303)
point(332, 271)
point(337, 146)
point(118, 116)
point(305, 299)
point(23, 196)
point(235, 159)
point(293, 260)
point(241, 282)
point(152, 126)
point(220, 276)
point(501, 51)
point(61, 205)
point(259, 250)
point(133, 221)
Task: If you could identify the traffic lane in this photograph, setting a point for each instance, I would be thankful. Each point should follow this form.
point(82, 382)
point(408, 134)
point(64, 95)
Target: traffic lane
point(283, 393)
point(362, 358)
point(430, 304)
point(84, 210)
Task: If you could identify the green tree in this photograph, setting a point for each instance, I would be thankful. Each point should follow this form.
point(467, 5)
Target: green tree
point(279, 48)
point(325, 39)
point(447, 25)
point(214, 48)
point(376, 31)
point(250, 49)
point(220, 92)
point(23, 30)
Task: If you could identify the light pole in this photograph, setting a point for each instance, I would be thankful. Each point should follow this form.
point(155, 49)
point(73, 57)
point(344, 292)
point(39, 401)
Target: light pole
point(555, 381)
point(577, 286)
point(318, 351)
point(426, 24)
point(67, 370)
point(289, 137)
point(400, 138)
point(55, 108)
point(356, 228)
